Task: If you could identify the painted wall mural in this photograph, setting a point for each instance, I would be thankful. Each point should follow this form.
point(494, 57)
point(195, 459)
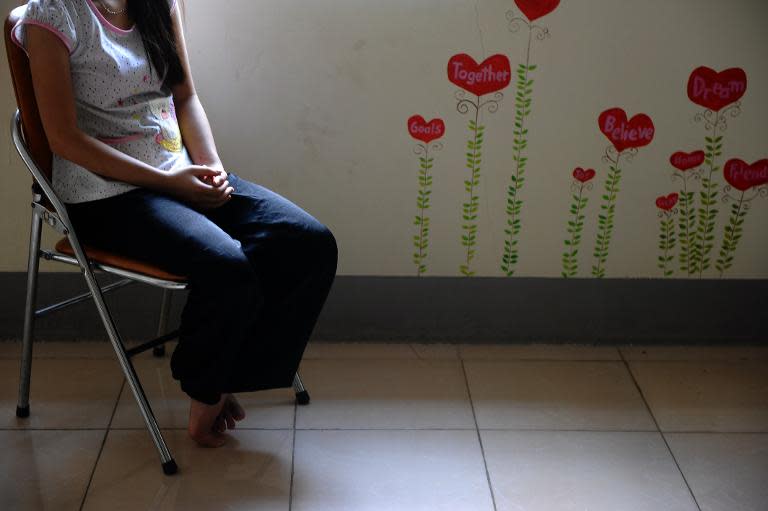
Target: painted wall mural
point(719, 94)
point(490, 77)
point(667, 239)
point(688, 166)
point(315, 101)
point(426, 133)
point(581, 181)
point(532, 10)
point(689, 226)
point(746, 179)
point(626, 137)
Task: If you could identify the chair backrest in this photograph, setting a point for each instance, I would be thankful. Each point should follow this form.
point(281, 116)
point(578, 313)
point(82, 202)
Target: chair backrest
point(32, 126)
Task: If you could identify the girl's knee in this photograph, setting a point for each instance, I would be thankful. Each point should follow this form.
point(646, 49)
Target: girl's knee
point(227, 267)
point(322, 239)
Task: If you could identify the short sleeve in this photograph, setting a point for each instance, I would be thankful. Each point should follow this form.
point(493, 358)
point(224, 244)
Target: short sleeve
point(53, 15)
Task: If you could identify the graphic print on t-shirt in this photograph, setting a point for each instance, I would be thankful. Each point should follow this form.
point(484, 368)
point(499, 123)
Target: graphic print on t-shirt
point(164, 114)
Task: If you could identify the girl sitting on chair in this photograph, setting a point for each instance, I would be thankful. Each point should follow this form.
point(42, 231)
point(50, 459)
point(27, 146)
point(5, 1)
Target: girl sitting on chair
point(136, 163)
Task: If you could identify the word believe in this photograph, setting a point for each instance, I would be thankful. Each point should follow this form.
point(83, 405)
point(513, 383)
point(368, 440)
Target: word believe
point(624, 134)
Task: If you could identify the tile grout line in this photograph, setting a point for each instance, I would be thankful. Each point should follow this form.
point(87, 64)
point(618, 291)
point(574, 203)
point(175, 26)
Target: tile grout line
point(101, 448)
point(415, 351)
point(661, 433)
point(479, 437)
point(293, 455)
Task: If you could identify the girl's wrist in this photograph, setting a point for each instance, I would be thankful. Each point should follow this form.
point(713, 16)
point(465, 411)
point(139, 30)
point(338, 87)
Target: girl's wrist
point(213, 164)
point(160, 180)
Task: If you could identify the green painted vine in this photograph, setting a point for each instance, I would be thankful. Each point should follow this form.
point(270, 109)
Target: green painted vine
point(605, 220)
point(686, 226)
point(707, 212)
point(421, 221)
point(731, 236)
point(576, 222)
point(517, 179)
point(471, 207)
point(667, 243)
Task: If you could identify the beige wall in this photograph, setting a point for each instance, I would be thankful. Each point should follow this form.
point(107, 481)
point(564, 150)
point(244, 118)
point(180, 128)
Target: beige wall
point(311, 99)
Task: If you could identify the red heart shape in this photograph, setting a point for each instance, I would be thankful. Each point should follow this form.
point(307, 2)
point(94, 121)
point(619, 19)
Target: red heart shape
point(425, 131)
point(492, 75)
point(583, 175)
point(713, 90)
point(687, 161)
point(535, 9)
point(668, 202)
point(743, 176)
point(637, 132)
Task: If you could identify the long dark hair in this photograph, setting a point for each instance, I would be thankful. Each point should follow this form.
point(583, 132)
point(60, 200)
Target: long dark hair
point(153, 21)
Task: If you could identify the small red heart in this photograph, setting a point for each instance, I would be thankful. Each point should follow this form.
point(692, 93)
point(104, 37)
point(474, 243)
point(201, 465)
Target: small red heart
point(743, 176)
point(687, 161)
point(668, 202)
point(583, 175)
point(535, 9)
point(425, 131)
point(492, 75)
point(637, 132)
point(713, 90)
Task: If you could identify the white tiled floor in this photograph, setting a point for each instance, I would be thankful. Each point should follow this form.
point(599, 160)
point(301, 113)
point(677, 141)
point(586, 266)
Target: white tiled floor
point(405, 427)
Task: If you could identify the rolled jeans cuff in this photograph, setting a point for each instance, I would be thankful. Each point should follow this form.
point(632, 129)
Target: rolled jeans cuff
point(204, 396)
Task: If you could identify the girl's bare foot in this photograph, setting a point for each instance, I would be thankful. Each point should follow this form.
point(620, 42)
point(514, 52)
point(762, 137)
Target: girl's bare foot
point(204, 423)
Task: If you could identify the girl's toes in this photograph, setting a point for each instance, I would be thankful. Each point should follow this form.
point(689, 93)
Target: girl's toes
point(208, 439)
point(235, 409)
point(205, 425)
point(230, 420)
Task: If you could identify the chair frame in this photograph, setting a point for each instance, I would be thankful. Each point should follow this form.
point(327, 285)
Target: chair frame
point(57, 218)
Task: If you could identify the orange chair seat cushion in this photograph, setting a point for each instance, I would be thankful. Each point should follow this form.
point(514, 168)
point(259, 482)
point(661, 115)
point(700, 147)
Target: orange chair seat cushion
point(118, 261)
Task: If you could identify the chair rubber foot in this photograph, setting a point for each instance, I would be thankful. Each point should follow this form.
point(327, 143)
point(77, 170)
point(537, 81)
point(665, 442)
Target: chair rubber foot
point(170, 467)
point(158, 351)
point(302, 397)
point(22, 412)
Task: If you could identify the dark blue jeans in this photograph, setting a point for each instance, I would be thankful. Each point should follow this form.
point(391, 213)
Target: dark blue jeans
point(259, 267)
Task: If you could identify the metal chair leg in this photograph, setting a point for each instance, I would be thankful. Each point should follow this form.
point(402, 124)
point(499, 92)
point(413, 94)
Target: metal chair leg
point(168, 463)
point(33, 265)
point(302, 396)
point(162, 327)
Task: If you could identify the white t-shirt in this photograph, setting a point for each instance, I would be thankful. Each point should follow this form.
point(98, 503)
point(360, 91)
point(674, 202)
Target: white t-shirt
point(119, 98)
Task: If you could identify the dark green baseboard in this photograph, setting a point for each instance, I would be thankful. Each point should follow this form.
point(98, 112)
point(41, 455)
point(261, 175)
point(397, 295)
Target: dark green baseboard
point(454, 309)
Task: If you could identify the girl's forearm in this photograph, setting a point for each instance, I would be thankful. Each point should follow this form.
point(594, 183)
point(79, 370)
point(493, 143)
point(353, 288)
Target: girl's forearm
point(107, 161)
point(196, 131)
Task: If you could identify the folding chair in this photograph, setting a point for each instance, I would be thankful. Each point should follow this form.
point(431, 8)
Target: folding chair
point(32, 145)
